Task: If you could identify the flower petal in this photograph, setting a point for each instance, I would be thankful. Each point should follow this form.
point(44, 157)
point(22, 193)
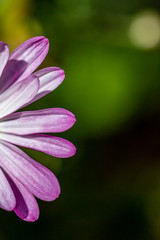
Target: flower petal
point(24, 60)
point(55, 146)
point(4, 55)
point(38, 180)
point(17, 95)
point(26, 205)
point(40, 121)
point(7, 198)
point(50, 78)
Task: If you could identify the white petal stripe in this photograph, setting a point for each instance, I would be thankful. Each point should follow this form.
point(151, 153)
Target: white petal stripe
point(50, 78)
point(40, 121)
point(26, 205)
point(39, 180)
point(7, 199)
point(17, 95)
point(55, 146)
point(4, 55)
point(23, 61)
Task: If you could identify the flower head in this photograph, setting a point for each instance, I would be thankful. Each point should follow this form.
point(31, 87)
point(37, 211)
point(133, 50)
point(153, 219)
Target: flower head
point(22, 178)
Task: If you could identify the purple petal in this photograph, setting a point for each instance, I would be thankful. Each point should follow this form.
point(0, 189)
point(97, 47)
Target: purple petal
point(38, 180)
point(40, 121)
point(7, 199)
point(50, 78)
point(4, 55)
point(55, 146)
point(24, 60)
point(26, 205)
point(17, 95)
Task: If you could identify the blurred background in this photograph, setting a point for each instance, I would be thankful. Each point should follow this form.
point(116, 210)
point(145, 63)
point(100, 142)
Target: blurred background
point(110, 51)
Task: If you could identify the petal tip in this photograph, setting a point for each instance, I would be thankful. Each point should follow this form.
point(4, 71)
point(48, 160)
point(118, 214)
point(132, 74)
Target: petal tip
point(62, 74)
point(56, 190)
point(42, 38)
point(72, 150)
point(3, 44)
point(31, 218)
point(73, 119)
point(45, 40)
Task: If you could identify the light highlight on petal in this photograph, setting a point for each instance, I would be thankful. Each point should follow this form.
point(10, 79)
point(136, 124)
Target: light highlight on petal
point(4, 55)
point(55, 146)
point(40, 121)
point(39, 180)
point(50, 78)
point(17, 95)
point(26, 205)
point(24, 60)
point(7, 199)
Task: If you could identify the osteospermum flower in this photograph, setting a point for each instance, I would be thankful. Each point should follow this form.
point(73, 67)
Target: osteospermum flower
point(22, 178)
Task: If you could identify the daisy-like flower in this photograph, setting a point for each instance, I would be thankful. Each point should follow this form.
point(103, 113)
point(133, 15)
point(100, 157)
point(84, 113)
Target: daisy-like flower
point(22, 178)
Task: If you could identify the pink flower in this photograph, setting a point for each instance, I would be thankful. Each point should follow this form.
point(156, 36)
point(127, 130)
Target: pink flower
point(22, 178)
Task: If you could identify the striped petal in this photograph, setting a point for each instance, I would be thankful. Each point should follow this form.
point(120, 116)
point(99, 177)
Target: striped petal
point(4, 55)
point(55, 146)
point(40, 121)
point(38, 180)
point(50, 78)
point(7, 199)
point(26, 205)
point(17, 95)
point(24, 60)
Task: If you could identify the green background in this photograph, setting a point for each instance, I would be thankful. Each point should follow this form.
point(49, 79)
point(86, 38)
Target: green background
point(111, 187)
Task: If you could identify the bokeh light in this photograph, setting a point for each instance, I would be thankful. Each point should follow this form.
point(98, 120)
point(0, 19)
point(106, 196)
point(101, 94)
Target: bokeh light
point(144, 30)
